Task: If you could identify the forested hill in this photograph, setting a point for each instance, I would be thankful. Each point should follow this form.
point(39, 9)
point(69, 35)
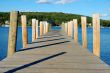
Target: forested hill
point(55, 18)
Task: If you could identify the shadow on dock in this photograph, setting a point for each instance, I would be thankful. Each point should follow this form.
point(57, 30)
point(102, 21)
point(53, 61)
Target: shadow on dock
point(51, 36)
point(33, 63)
point(47, 40)
point(43, 46)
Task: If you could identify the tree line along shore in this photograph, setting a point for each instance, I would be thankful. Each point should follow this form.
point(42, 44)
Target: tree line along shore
point(54, 18)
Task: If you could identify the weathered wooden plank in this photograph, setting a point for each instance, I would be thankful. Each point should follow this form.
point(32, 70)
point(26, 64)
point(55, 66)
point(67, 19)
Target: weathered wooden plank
point(54, 56)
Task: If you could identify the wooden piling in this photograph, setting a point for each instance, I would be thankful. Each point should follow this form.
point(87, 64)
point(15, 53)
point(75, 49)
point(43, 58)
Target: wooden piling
point(37, 26)
point(66, 28)
point(75, 22)
point(44, 27)
point(33, 29)
point(24, 30)
point(84, 31)
point(69, 27)
point(41, 29)
point(96, 34)
point(12, 33)
point(63, 26)
point(50, 25)
point(47, 27)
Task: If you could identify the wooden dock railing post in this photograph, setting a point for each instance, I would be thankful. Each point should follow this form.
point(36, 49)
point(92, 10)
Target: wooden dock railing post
point(84, 31)
point(37, 26)
point(50, 27)
point(33, 29)
point(66, 28)
point(96, 34)
point(75, 22)
point(46, 27)
point(24, 30)
point(69, 27)
point(63, 26)
point(12, 33)
point(41, 29)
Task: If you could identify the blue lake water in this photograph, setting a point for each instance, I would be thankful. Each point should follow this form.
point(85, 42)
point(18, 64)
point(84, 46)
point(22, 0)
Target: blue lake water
point(105, 41)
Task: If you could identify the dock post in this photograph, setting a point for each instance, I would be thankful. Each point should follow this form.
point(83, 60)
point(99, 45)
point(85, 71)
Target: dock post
point(12, 33)
point(24, 30)
point(63, 26)
point(33, 29)
point(46, 27)
point(69, 27)
point(75, 22)
point(50, 27)
point(96, 34)
point(84, 31)
point(66, 28)
point(37, 27)
point(41, 29)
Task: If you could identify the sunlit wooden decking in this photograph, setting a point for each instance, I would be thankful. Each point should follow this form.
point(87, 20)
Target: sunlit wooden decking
point(53, 53)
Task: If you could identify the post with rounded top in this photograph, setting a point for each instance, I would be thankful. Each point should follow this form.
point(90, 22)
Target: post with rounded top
point(24, 30)
point(33, 29)
point(37, 26)
point(75, 22)
point(41, 29)
point(12, 33)
point(96, 34)
point(84, 31)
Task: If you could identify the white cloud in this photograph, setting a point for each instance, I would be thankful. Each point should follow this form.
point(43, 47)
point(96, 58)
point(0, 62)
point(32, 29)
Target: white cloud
point(55, 1)
point(43, 1)
point(64, 1)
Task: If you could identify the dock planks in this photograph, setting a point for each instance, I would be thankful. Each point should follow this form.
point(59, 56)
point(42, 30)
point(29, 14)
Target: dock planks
point(53, 53)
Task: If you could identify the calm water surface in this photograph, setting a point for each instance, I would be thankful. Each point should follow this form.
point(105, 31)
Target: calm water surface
point(105, 41)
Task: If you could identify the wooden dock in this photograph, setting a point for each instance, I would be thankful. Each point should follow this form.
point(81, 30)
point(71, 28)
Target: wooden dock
point(53, 53)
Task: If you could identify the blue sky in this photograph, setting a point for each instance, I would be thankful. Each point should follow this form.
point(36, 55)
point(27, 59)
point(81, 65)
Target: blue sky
point(83, 7)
